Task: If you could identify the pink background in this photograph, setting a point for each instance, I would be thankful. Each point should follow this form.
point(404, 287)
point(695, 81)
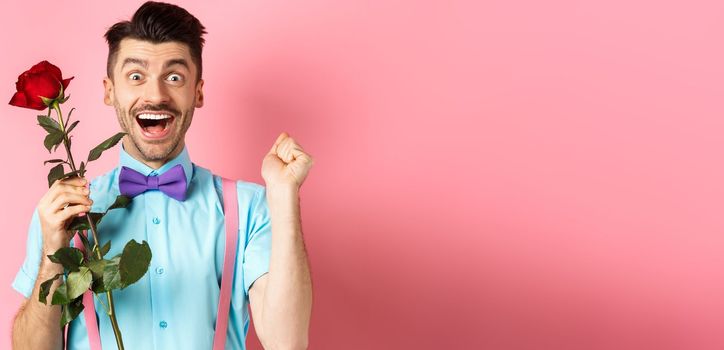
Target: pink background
point(489, 175)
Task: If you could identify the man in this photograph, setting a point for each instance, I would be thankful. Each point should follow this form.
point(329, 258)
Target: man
point(154, 83)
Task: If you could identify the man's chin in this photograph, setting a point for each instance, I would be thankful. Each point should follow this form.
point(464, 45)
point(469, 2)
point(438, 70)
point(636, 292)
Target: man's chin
point(154, 150)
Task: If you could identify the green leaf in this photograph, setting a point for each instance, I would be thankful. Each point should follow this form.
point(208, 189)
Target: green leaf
point(71, 258)
point(69, 113)
point(60, 296)
point(53, 139)
point(121, 202)
point(105, 248)
point(98, 286)
point(96, 217)
point(53, 161)
point(71, 311)
point(112, 141)
point(111, 274)
point(55, 173)
point(81, 169)
point(135, 259)
point(97, 268)
point(80, 223)
point(49, 124)
point(45, 288)
point(79, 282)
point(70, 128)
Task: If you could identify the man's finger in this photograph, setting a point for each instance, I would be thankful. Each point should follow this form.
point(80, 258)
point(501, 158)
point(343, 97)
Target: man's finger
point(279, 140)
point(72, 211)
point(75, 181)
point(62, 187)
point(297, 152)
point(59, 204)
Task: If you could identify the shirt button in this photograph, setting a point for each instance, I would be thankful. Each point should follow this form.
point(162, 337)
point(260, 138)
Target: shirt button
point(159, 270)
point(156, 220)
point(163, 324)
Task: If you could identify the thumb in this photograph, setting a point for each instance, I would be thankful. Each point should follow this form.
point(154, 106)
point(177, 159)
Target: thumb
point(279, 140)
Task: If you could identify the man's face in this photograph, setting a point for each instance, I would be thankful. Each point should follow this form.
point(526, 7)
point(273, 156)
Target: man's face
point(154, 91)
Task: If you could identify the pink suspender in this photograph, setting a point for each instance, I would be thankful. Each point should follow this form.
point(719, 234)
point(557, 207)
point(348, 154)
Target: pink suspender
point(89, 311)
point(231, 205)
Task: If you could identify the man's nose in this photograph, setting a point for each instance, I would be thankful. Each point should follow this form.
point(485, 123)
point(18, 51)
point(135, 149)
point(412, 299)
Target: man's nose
point(155, 92)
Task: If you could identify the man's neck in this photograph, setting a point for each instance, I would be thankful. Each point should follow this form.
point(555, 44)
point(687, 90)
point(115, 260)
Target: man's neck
point(153, 164)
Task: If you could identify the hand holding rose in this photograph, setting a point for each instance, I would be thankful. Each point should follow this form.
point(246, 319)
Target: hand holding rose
point(81, 271)
point(64, 201)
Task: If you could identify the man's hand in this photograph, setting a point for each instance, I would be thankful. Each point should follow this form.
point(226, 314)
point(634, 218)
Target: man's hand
point(286, 164)
point(64, 201)
point(281, 300)
point(36, 324)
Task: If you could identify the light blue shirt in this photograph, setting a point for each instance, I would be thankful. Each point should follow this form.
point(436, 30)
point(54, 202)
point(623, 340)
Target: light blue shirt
point(174, 305)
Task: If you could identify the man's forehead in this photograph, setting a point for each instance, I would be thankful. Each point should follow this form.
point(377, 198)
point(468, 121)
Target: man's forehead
point(153, 53)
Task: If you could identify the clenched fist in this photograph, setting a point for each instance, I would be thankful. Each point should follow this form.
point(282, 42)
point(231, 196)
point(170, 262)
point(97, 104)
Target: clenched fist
point(286, 164)
point(64, 201)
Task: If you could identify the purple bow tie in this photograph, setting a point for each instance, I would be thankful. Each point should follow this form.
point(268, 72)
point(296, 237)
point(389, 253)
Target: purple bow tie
point(172, 182)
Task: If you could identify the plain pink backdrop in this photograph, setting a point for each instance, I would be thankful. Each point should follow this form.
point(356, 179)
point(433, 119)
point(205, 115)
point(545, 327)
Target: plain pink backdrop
point(488, 174)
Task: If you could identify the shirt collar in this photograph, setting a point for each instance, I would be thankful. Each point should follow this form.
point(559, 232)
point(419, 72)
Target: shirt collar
point(133, 163)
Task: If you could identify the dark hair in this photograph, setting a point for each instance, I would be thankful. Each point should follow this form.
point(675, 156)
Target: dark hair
point(158, 22)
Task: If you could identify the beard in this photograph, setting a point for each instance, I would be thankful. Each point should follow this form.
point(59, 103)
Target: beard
point(145, 148)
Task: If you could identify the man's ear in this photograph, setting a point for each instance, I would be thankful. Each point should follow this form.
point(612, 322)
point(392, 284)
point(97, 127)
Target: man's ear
point(108, 91)
point(199, 94)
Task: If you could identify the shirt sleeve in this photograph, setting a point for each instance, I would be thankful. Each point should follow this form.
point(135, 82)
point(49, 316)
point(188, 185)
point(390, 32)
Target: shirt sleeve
point(256, 254)
point(26, 276)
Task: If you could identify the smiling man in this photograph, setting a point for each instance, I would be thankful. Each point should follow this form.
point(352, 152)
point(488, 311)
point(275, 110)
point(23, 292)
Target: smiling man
point(154, 82)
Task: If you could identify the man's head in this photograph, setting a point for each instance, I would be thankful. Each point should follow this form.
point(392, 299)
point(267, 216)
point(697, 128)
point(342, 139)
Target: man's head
point(154, 79)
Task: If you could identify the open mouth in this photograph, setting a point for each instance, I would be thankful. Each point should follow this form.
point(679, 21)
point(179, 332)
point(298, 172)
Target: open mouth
point(155, 125)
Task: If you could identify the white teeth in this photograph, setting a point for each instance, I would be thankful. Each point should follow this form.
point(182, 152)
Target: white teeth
point(153, 116)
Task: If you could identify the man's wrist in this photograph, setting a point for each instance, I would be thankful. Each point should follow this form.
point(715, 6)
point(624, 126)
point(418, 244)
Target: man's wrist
point(48, 268)
point(52, 247)
point(283, 203)
point(282, 193)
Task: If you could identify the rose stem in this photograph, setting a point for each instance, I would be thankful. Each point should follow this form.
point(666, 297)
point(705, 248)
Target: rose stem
point(96, 250)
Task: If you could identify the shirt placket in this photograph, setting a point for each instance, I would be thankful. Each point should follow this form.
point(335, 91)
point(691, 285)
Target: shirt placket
point(156, 227)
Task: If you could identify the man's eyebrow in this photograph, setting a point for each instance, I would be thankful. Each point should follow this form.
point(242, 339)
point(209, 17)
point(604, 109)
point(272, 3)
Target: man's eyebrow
point(133, 60)
point(179, 61)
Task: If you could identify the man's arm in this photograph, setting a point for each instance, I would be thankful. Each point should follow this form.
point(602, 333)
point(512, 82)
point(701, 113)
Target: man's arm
point(281, 300)
point(36, 325)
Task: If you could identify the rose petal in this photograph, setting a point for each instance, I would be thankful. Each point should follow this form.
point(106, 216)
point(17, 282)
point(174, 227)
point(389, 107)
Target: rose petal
point(20, 100)
point(41, 85)
point(46, 67)
point(66, 82)
point(20, 84)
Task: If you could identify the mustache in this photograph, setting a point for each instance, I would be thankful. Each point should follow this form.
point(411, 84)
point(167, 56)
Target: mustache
point(163, 107)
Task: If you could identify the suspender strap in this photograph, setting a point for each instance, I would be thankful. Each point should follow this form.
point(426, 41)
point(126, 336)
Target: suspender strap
point(231, 223)
point(89, 310)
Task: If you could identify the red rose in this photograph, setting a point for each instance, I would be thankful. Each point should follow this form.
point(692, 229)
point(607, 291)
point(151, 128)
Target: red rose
point(43, 79)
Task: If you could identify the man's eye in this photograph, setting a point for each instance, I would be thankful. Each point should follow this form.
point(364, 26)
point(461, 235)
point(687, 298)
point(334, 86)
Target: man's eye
point(135, 76)
point(174, 77)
